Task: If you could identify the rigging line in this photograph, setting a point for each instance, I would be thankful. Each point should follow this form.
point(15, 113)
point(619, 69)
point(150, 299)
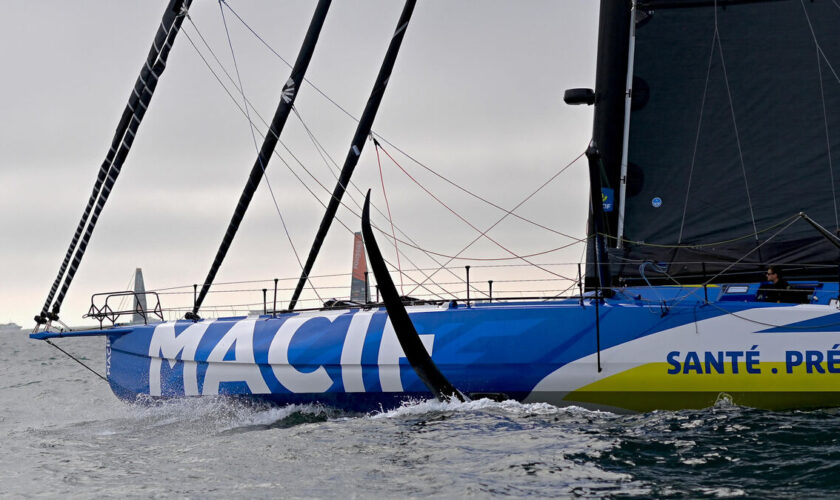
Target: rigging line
point(697, 136)
point(241, 87)
point(698, 245)
point(484, 234)
point(498, 221)
point(236, 103)
point(333, 166)
point(735, 124)
point(427, 168)
point(485, 259)
point(300, 163)
point(319, 147)
point(124, 298)
point(467, 191)
point(271, 49)
point(324, 156)
point(318, 199)
point(814, 36)
point(77, 360)
point(341, 202)
point(560, 294)
point(127, 119)
point(386, 141)
point(828, 144)
point(250, 122)
point(825, 114)
point(324, 205)
point(388, 206)
point(142, 93)
point(507, 212)
point(730, 266)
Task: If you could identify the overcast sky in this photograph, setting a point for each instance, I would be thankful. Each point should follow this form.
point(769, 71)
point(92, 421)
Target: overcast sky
point(476, 95)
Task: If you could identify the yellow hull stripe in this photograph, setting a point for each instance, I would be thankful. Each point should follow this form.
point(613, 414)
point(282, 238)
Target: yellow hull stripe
point(649, 387)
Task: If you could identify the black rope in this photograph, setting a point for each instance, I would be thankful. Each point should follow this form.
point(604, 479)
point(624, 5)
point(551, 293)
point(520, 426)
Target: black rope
point(123, 138)
point(401, 151)
point(356, 145)
point(271, 138)
point(77, 360)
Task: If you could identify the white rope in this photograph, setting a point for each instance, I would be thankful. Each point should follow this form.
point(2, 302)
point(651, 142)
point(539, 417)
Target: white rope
point(735, 124)
point(730, 266)
point(332, 166)
point(482, 234)
point(300, 163)
point(828, 145)
point(251, 125)
point(420, 284)
point(397, 148)
point(697, 136)
point(814, 36)
point(820, 56)
point(283, 160)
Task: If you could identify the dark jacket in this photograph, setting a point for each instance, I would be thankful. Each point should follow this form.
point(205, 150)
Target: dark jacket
point(775, 292)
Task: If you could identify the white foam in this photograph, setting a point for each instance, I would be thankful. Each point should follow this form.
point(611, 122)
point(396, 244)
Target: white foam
point(420, 407)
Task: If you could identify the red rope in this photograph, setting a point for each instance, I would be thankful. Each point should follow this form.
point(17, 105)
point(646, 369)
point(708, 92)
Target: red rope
point(390, 219)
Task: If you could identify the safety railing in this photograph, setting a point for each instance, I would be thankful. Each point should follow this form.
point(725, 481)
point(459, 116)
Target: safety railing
point(102, 306)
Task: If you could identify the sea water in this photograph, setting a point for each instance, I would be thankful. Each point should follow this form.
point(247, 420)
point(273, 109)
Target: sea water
point(64, 434)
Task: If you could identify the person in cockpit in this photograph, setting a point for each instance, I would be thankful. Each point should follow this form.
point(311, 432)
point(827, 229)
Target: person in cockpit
point(775, 289)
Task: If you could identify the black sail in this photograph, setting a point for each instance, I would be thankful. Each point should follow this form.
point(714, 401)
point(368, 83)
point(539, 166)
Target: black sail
point(138, 103)
point(735, 129)
point(284, 107)
point(356, 146)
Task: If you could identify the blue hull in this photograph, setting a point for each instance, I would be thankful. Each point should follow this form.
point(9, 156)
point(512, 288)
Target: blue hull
point(690, 354)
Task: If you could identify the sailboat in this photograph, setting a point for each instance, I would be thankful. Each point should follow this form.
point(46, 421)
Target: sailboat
point(716, 133)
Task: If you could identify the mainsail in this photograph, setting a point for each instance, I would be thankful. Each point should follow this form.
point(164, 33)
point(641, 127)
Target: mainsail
point(733, 133)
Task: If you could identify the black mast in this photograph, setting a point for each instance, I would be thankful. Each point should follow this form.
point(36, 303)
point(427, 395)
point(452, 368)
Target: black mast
point(608, 125)
point(597, 217)
point(138, 103)
point(284, 107)
point(362, 131)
